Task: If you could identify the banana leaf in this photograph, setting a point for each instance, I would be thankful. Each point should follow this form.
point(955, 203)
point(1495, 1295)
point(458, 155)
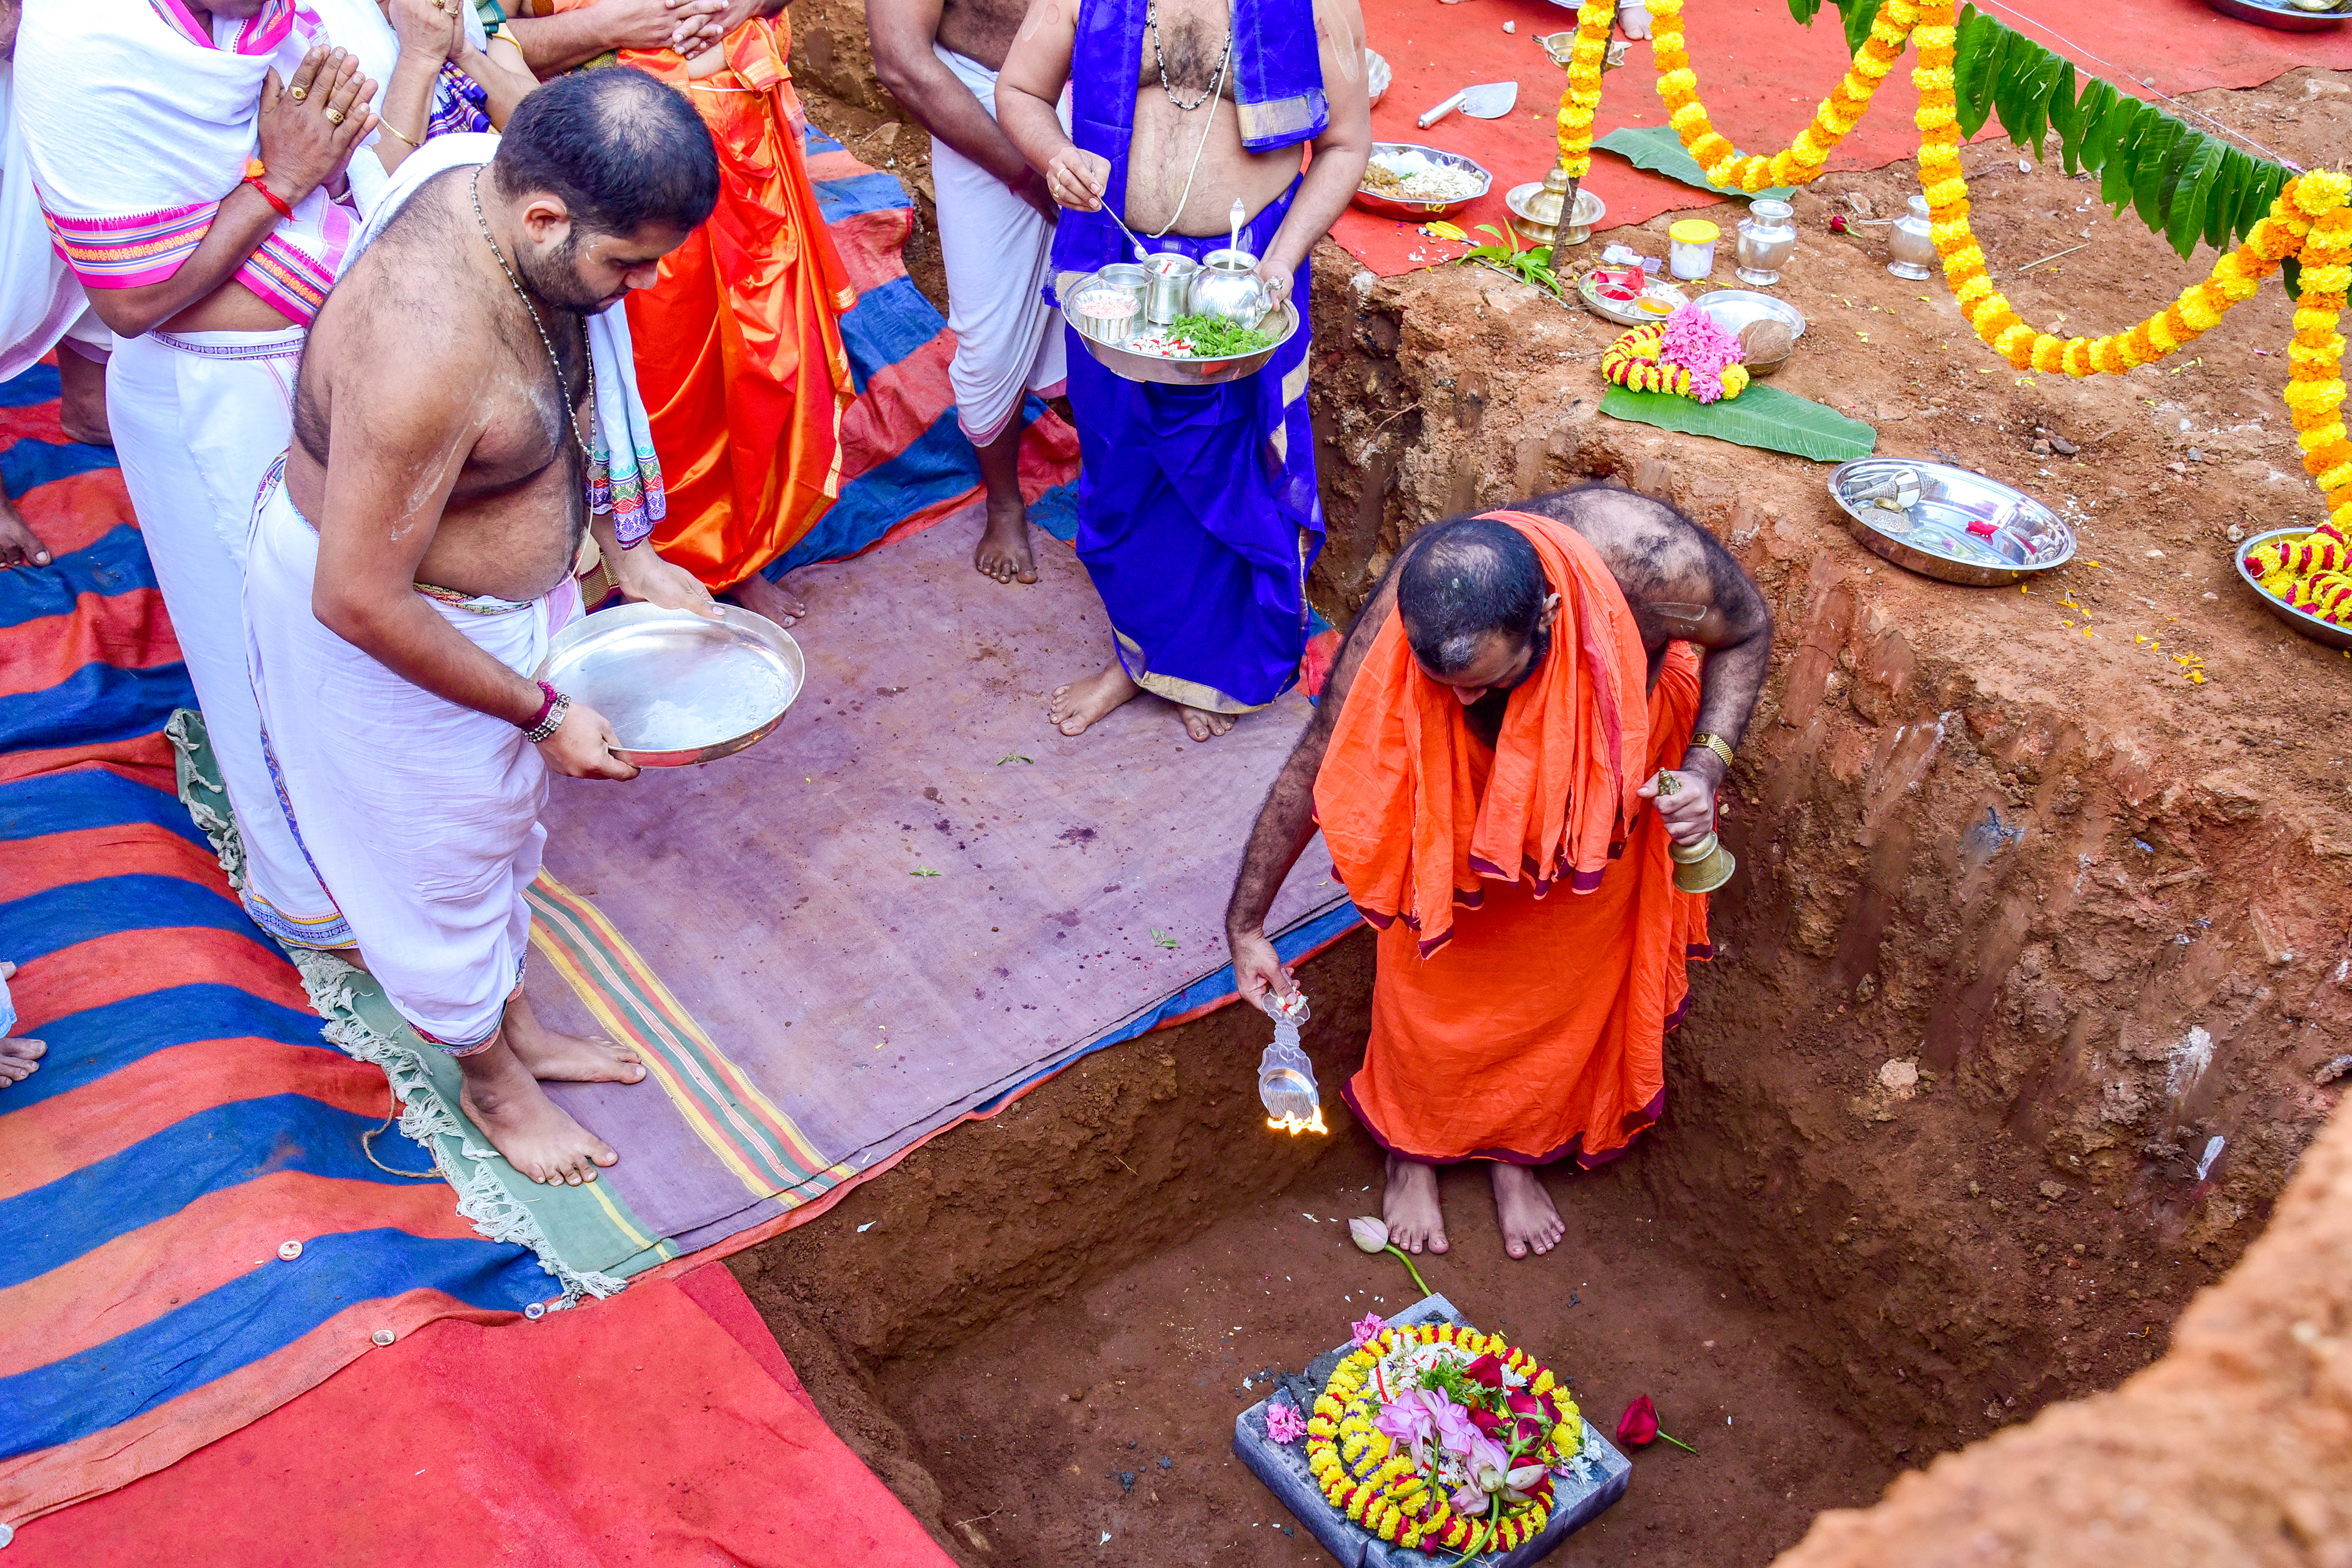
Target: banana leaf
point(1762, 417)
point(1659, 149)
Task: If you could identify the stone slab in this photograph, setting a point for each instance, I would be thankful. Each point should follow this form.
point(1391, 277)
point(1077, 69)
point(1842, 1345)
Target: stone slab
point(1598, 1479)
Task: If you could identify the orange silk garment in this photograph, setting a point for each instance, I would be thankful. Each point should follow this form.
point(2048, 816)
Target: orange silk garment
point(1513, 1018)
point(738, 347)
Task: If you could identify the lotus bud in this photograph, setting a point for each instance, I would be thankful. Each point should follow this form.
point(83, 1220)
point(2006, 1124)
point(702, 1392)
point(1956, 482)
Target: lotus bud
point(1524, 1478)
point(1370, 1235)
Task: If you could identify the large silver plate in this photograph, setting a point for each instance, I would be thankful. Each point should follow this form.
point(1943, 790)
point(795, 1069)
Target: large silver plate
point(1392, 155)
point(2277, 13)
point(1931, 537)
point(1129, 366)
point(678, 687)
point(2309, 626)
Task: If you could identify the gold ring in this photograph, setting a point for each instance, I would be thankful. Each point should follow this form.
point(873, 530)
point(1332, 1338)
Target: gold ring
point(334, 115)
point(298, 94)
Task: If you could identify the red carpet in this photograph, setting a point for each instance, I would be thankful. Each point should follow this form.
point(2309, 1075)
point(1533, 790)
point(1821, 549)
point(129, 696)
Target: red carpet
point(1760, 74)
point(661, 1426)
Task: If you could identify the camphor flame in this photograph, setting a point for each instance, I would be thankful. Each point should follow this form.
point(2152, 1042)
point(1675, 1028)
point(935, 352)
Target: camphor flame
point(1293, 1125)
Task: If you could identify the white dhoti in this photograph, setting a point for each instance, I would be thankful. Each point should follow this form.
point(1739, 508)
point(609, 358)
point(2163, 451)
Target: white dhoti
point(198, 417)
point(422, 815)
point(998, 251)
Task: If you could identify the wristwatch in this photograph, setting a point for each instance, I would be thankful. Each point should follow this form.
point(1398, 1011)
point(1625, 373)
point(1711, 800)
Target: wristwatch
point(1715, 743)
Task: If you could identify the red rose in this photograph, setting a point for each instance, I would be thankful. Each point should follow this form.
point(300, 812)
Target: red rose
point(1486, 1370)
point(1639, 1425)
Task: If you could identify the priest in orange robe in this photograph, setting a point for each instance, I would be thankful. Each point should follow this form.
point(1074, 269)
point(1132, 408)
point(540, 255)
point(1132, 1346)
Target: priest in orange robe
point(739, 351)
point(1532, 706)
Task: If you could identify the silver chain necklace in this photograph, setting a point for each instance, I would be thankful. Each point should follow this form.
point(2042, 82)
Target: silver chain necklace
point(562, 395)
point(1152, 15)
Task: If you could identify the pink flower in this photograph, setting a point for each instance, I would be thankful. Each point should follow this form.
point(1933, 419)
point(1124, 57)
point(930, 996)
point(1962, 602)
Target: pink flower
point(1454, 1428)
point(1365, 1328)
point(1408, 1419)
point(1283, 1424)
point(1489, 1463)
point(1694, 342)
point(1468, 1500)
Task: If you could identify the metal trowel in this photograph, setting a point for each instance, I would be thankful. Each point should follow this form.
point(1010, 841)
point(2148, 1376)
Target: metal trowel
point(1487, 100)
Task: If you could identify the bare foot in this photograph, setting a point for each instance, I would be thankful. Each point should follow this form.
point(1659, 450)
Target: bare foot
point(567, 1059)
point(1201, 722)
point(1003, 551)
point(1529, 1218)
point(538, 1140)
point(82, 403)
point(762, 598)
point(1409, 1206)
point(1082, 703)
point(19, 1058)
point(19, 546)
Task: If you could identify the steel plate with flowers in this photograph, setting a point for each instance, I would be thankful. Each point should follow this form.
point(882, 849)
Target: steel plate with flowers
point(1947, 522)
point(1627, 297)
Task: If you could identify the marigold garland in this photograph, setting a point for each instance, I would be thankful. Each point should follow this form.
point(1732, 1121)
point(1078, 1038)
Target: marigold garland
point(2310, 220)
point(1631, 362)
point(1363, 1475)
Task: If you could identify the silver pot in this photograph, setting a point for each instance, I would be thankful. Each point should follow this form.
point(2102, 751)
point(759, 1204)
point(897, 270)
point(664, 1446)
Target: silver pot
point(1227, 287)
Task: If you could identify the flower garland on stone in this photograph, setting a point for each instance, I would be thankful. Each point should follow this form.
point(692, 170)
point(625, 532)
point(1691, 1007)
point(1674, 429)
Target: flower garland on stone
point(1380, 1451)
point(1801, 161)
point(1686, 354)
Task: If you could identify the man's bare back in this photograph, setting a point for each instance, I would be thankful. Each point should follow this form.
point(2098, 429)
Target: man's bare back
point(413, 312)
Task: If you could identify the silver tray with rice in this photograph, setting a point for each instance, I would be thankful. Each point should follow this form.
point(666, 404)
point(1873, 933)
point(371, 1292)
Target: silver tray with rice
point(1133, 349)
point(1947, 522)
point(678, 687)
point(1413, 184)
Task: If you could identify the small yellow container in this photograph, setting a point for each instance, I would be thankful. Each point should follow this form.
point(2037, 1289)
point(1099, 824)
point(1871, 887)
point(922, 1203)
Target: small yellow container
point(1691, 253)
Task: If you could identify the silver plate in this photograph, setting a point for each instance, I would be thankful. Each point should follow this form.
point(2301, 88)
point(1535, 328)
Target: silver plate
point(1931, 537)
point(1732, 309)
point(678, 687)
point(1588, 291)
point(2276, 14)
point(1419, 212)
point(2309, 626)
point(1128, 365)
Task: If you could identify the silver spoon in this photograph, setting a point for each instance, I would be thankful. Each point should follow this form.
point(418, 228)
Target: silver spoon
point(1140, 254)
point(1235, 215)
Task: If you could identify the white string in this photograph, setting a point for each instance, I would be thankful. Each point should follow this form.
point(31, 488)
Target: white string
point(2149, 83)
point(1216, 96)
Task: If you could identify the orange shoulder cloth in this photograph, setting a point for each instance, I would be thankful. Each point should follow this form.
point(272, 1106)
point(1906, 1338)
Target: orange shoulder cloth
point(1417, 811)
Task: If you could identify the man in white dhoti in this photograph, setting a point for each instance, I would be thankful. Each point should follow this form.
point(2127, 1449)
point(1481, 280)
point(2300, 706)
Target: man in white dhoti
point(140, 123)
point(41, 305)
point(461, 421)
point(939, 58)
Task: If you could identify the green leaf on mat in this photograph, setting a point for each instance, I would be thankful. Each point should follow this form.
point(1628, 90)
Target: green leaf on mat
point(1659, 149)
point(1761, 416)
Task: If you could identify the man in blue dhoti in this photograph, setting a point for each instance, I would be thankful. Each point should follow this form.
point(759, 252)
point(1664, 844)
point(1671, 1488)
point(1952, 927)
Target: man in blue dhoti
point(1197, 509)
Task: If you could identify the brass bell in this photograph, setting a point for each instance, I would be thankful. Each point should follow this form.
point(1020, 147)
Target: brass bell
point(1703, 867)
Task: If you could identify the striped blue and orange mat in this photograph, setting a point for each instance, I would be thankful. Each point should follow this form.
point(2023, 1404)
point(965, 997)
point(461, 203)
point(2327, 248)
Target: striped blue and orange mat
point(793, 938)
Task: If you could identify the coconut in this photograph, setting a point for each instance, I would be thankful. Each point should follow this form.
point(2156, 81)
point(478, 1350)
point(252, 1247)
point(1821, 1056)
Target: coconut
point(1765, 343)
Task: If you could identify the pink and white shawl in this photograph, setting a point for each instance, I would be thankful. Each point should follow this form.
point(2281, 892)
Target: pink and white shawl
point(138, 121)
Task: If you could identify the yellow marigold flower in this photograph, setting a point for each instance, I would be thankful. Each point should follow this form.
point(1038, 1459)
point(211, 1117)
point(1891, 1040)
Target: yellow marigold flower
point(2324, 436)
point(2334, 280)
point(1973, 292)
point(1688, 121)
point(2049, 353)
point(2310, 317)
point(2320, 189)
point(2342, 516)
point(1935, 37)
point(2078, 357)
point(1934, 119)
point(2015, 344)
point(2337, 477)
point(2314, 384)
point(2199, 311)
point(2108, 353)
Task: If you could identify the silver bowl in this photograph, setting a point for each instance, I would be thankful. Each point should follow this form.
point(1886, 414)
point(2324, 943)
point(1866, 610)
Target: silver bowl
point(2309, 626)
point(1131, 365)
point(1733, 309)
point(1931, 537)
point(1419, 212)
point(2277, 13)
point(678, 687)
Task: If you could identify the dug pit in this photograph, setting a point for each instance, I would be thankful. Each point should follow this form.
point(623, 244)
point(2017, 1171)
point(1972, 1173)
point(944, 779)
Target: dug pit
point(2026, 993)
